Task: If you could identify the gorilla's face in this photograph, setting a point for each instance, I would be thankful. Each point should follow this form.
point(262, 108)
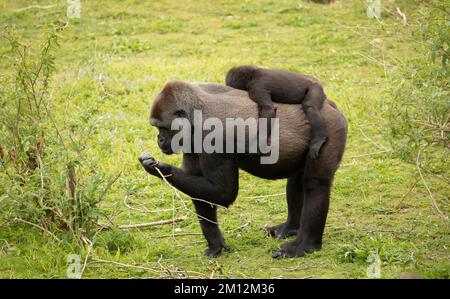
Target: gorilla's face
point(164, 111)
point(165, 140)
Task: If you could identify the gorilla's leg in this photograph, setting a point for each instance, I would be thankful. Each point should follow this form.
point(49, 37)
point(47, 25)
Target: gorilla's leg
point(207, 215)
point(294, 195)
point(317, 180)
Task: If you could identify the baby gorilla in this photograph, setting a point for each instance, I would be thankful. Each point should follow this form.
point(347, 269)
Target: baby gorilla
point(266, 85)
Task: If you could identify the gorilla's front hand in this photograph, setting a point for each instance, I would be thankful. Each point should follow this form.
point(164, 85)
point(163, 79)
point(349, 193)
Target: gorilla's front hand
point(151, 165)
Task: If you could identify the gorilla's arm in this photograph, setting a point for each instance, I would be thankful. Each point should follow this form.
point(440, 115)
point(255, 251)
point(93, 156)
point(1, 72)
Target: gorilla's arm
point(216, 182)
point(259, 94)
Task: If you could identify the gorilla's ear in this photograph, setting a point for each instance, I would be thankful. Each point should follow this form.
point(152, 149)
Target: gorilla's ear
point(180, 113)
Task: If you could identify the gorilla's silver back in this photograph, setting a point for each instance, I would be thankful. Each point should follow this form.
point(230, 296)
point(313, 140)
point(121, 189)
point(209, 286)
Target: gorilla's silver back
point(227, 102)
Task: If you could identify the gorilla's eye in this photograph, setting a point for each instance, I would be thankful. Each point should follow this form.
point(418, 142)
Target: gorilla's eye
point(180, 113)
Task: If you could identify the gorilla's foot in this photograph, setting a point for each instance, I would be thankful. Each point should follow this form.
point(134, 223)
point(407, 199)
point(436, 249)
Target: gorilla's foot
point(282, 231)
point(215, 251)
point(296, 249)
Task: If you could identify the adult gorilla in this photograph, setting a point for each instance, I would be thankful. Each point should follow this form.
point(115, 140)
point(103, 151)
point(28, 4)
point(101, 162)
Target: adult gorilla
point(214, 177)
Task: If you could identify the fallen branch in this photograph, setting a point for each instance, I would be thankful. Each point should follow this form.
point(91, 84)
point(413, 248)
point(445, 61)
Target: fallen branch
point(291, 268)
point(395, 233)
point(406, 194)
point(174, 235)
point(433, 200)
point(126, 265)
point(370, 154)
point(238, 228)
point(371, 140)
point(89, 244)
point(431, 125)
point(156, 223)
point(196, 234)
point(264, 196)
point(147, 268)
point(40, 227)
point(184, 245)
point(142, 210)
point(35, 6)
point(402, 16)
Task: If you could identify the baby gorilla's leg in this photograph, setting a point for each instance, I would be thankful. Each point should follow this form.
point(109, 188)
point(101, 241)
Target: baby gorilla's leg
point(312, 103)
point(316, 145)
point(318, 131)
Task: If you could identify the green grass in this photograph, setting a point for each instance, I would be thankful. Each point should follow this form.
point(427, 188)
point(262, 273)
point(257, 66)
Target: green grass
point(378, 202)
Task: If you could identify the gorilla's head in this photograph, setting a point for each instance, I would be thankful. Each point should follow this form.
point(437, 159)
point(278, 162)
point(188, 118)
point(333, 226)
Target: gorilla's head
point(168, 106)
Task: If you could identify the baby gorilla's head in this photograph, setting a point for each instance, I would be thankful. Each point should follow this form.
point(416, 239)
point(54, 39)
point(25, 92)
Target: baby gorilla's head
point(238, 77)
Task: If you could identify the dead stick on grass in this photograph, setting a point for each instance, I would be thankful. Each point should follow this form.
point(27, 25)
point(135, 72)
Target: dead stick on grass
point(402, 15)
point(126, 265)
point(145, 268)
point(291, 268)
point(265, 196)
point(369, 154)
point(174, 235)
point(89, 244)
point(433, 200)
point(156, 223)
point(35, 6)
point(142, 210)
point(371, 140)
point(40, 227)
point(197, 234)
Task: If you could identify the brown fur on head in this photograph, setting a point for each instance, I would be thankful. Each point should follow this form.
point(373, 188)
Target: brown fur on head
point(177, 99)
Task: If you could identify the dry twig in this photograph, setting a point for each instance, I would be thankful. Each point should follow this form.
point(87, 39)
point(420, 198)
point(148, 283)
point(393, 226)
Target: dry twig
point(433, 200)
point(156, 223)
point(369, 154)
point(142, 210)
point(35, 6)
point(40, 227)
point(89, 244)
point(265, 196)
point(198, 274)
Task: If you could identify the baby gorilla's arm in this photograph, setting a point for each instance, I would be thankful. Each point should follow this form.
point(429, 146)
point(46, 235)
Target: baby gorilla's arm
point(261, 96)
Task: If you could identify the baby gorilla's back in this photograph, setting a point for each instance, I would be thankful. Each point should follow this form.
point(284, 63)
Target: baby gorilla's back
point(283, 86)
point(266, 86)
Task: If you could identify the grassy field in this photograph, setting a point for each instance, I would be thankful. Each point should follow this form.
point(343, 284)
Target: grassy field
point(113, 61)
